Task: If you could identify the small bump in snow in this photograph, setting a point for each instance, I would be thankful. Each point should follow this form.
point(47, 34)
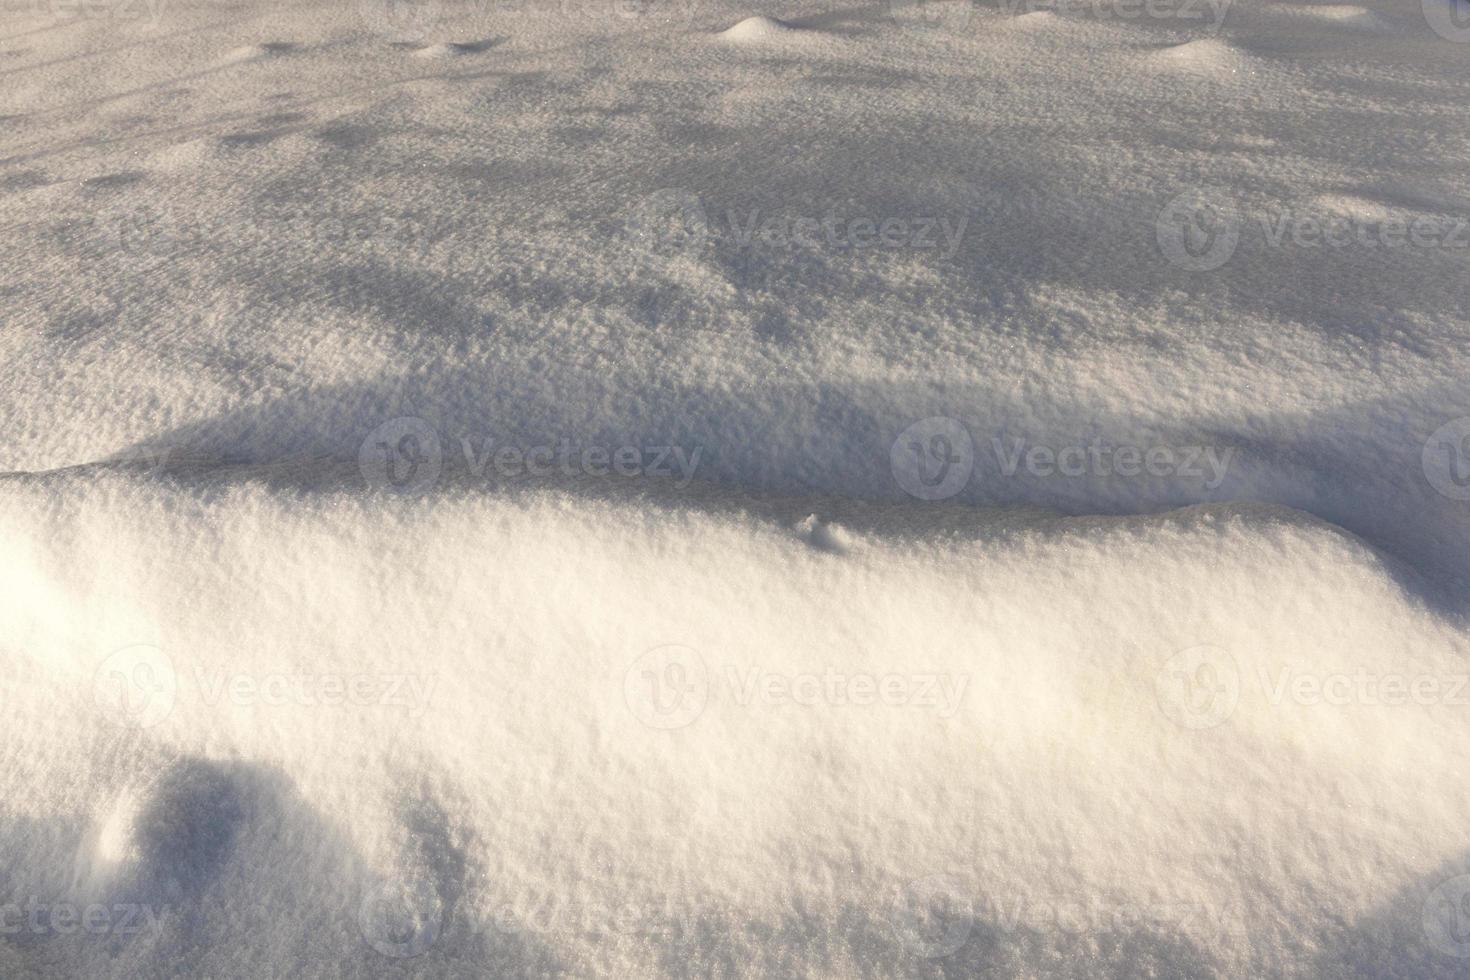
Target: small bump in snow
point(753, 29)
point(823, 535)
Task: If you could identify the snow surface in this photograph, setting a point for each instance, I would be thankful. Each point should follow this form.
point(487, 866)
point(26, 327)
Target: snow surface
point(673, 488)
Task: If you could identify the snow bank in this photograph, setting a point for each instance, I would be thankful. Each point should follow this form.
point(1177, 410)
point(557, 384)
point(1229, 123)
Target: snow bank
point(630, 732)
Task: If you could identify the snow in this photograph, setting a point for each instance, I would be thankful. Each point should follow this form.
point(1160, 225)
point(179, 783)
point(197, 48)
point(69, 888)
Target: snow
point(756, 29)
point(658, 488)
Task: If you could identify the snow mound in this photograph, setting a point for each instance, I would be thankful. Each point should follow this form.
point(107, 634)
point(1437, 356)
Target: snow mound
point(447, 49)
point(759, 29)
point(1034, 20)
point(1202, 56)
point(303, 724)
point(258, 52)
point(441, 50)
point(1350, 16)
point(1359, 209)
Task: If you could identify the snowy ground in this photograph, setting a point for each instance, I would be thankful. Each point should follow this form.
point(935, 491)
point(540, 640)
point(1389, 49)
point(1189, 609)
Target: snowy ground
point(644, 488)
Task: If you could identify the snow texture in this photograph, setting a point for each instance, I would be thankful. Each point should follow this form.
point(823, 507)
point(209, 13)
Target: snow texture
point(670, 488)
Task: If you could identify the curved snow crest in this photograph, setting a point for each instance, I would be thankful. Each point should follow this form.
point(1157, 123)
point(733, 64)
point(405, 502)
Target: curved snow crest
point(1361, 469)
point(1207, 56)
point(259, 52)
point(1349, 16)
point(1248, 654)
point(764, 30)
